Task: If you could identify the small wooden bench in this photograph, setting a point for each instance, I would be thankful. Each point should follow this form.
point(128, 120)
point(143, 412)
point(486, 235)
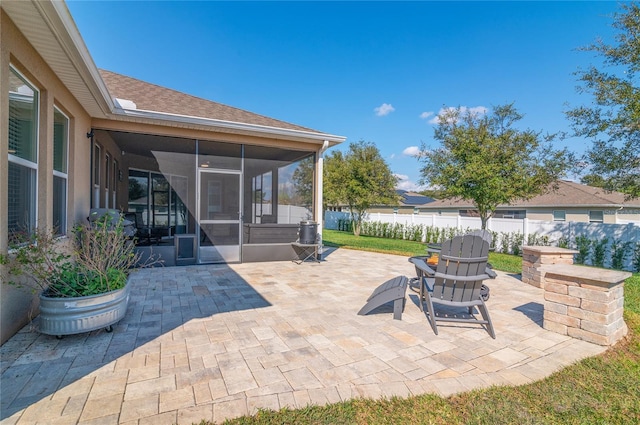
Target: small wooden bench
point(392, 290)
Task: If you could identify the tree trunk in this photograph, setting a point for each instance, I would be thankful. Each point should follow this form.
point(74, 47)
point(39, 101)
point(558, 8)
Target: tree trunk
point(356, 222)
point(356, 228)
point(483, 220)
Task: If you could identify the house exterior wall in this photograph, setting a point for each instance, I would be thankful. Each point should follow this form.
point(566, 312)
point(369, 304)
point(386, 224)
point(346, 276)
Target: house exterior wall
point(401, 209)
point(580, 215)
point(16, 306)
point(628, 214)
point(576, 214)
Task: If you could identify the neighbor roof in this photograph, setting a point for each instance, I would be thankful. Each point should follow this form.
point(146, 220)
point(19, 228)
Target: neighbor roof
point(151, 97)
point(413, 198)
point(567, 194)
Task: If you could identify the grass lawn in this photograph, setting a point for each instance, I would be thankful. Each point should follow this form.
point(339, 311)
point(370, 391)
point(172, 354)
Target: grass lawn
point(600, 390)
point(504, 262)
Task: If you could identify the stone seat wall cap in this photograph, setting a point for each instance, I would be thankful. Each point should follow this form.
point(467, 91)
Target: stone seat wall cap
point(588, 273)
point(548, 249)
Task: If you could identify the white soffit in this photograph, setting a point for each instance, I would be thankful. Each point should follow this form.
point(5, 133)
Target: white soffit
point(49, 27)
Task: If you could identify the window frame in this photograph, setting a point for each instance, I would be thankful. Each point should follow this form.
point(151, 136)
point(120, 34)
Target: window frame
point(62, 227)
point(592, 220)
point(97, 177)
point(564, 215)
point(32, 166)
point(114, 179)
point(107, 179)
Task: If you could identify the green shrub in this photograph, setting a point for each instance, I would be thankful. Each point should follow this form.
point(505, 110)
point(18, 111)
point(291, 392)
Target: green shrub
point(397, 231)
point(619, 253)
point(516, 241)
point(413, 232)
point(539, 240)
point(451, 232)
point(505, 242)
point(600, 248)
point(635, 263)
point(563, 242)
point(494, 240)
point(583, 245)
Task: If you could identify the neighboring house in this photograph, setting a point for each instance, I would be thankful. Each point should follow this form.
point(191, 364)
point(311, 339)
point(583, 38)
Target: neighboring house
point(409, 203)
point(568, 202)
point(210, 182)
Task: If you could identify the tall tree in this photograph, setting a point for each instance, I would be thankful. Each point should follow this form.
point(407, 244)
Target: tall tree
point(593, 180)
point(612, 120)
point(485, 160)
point(303, 182)
point(359, 179)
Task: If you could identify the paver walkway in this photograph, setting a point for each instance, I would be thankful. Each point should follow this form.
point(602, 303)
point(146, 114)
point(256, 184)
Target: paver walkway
point(213, 342)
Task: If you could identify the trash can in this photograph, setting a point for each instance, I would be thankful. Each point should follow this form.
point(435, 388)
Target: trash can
point(307, 232)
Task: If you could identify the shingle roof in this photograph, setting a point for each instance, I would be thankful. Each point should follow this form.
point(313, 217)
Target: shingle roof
point(151, 97)
point(567, 194)
point(413, 198)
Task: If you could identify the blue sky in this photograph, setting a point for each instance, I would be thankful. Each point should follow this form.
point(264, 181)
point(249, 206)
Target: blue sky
point(374, 71)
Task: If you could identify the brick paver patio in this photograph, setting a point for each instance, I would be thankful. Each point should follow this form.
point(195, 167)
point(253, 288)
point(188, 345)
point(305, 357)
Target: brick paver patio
point(216, 341)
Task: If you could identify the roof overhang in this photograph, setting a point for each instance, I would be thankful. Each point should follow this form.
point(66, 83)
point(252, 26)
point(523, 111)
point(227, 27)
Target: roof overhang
point(153, 117)
point(51, 30)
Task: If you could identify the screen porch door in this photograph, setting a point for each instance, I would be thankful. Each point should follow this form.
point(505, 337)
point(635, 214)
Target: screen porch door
point(219, 216)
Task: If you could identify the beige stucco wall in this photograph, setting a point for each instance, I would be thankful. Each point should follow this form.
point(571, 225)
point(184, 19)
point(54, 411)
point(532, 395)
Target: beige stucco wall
point(580, 215)
point(447, 212)
point(109, 147)
point(17, 306)
point(390, 210)
point(631, 214)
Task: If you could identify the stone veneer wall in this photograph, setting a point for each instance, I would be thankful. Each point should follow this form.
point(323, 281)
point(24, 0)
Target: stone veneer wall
point(584, 302)
point(535, 257)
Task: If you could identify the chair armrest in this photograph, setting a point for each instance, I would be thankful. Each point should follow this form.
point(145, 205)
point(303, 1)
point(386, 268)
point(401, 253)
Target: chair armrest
point(490, 272)
point(434, 248)
point(462, 278)
point(422, 265)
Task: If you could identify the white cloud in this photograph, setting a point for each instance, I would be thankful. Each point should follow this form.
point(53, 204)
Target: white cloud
point(426, 115)
point(412, 151)
point(477, 110)
point(384, 109)
point(404, 183)
point(393, 155)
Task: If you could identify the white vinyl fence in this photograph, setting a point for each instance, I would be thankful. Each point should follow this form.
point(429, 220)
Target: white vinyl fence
point(554, 230)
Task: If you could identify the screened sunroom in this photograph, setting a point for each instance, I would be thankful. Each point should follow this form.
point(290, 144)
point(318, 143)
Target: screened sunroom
point(195, 201)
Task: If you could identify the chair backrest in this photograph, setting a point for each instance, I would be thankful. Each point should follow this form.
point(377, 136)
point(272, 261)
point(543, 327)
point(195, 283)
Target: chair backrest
point(461, 267)
point(486, 235)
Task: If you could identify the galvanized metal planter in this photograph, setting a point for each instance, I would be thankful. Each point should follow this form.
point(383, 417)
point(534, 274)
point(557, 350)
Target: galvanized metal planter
point(67, 316)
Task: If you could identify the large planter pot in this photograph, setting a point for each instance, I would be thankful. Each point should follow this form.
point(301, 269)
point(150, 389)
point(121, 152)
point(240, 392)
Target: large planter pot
point(67, 316)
